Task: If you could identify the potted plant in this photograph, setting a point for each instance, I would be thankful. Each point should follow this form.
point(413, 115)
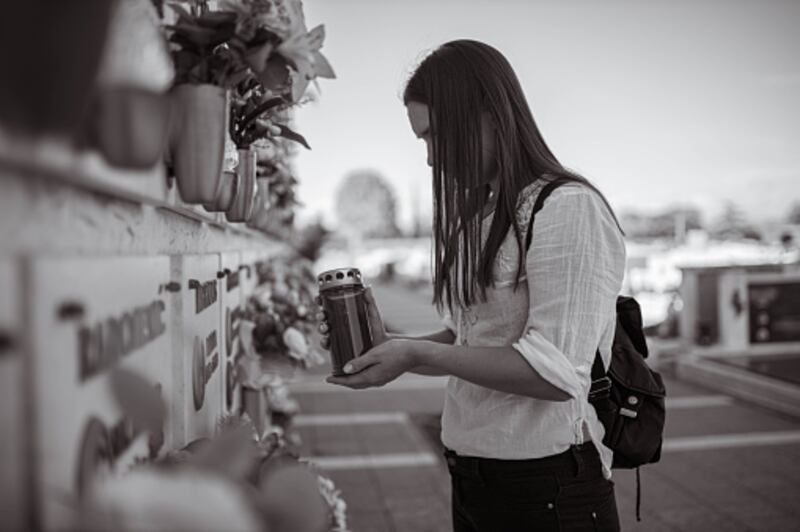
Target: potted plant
point(129, 118)
point(205, 70)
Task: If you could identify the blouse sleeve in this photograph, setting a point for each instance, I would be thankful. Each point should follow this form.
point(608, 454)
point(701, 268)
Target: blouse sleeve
point(574, 268)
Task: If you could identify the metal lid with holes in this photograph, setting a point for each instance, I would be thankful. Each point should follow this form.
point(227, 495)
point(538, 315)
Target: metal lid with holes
point(339, 277)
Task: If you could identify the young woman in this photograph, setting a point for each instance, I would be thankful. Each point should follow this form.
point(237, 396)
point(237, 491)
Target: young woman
point(522, 324)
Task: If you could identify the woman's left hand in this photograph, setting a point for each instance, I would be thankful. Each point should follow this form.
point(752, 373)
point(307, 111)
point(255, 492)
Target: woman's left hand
point(380, 365)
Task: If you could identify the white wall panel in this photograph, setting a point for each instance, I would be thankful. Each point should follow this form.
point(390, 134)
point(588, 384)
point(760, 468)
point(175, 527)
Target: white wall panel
point(89, 316)
point(201, 344)
point(13, 458)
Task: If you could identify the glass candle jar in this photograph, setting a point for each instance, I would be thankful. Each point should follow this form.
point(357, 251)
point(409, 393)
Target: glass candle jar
point(342, 294)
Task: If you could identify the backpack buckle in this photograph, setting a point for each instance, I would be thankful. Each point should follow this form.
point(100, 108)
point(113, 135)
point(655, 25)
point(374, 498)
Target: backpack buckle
point(600, 389)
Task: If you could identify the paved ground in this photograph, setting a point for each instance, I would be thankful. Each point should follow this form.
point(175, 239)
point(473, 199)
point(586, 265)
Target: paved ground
point(726, 465)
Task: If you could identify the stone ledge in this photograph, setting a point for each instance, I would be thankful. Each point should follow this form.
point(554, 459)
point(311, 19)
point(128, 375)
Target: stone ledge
point(757, 389)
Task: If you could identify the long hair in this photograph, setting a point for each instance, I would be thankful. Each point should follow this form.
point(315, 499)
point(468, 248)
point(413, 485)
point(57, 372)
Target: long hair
point(460, 82)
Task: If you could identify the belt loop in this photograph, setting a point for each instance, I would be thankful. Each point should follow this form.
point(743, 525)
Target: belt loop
point(578, 457)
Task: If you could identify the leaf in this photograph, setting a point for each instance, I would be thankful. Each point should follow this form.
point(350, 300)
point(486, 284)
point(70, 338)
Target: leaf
point(289, 498)
point(185, 60)
point(316, 37)
point(258, 56)
point(181, 11)
point(322, 67)
point(261, 109)
point(292, 135)
point(275, 76)
point(236, 77)
point(231, 453)
point(139, 400)
point(217, 19)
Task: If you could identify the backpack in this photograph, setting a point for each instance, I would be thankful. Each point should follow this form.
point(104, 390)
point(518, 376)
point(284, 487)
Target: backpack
point(629, 397)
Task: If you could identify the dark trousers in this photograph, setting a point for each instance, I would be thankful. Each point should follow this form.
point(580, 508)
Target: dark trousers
point(565, 492)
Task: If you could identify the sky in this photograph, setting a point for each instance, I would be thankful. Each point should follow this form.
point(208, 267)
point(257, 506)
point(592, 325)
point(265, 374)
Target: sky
point(659, 103)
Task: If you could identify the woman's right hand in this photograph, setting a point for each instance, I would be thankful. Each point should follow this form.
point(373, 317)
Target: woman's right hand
point(376, 326)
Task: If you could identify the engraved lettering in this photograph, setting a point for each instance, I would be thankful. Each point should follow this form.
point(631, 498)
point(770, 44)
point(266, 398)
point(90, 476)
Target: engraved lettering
point(232, 281)
point(211, 367)
point(205, 295)
point(211, 342)
point(102, 344)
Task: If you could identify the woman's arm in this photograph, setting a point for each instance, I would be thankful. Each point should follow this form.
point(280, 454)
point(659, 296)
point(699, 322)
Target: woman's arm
point(498, 368)
point(445, 336)
point(508, 371)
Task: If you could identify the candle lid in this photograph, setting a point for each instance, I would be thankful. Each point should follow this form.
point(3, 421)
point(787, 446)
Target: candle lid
point(339, 277)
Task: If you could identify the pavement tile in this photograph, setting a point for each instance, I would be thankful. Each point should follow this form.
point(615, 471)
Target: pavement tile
point(418, 512)
point(410, 480)
point(731, 419)
point(371, 522)
point(698, 519)
point(383, 438)
point(676, 388)
point(335, 441)
point(374, 400)
point(760, 520)
point(361, 497)
point(651, 522)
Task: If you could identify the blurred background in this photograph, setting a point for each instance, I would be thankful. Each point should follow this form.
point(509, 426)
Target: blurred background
point(162, 221)
point(683, 114)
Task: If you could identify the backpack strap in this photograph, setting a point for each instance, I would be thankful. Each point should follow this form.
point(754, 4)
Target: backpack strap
point(598, 371)
point(537, 206)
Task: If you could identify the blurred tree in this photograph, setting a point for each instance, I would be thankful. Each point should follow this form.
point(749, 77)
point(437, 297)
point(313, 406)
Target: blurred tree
point(310, 239)
point(666, 224)
point(733, 223)
point(366, 205)
point(794, 213)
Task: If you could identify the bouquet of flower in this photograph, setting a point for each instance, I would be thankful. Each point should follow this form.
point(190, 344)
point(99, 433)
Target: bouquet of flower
point(273, 38)
point(277, 323)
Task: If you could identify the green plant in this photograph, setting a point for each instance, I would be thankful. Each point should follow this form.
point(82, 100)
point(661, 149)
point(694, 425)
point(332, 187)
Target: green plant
point(200, 52)
point(254, 114)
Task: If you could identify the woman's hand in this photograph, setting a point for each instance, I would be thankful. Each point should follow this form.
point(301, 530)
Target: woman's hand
point(379, 334)
point(380, 365)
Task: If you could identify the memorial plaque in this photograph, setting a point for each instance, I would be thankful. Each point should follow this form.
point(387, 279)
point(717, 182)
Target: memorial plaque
point(13, 462)
point(203, 392)
point(232, 308)
point(89, 317)
point(774, 311)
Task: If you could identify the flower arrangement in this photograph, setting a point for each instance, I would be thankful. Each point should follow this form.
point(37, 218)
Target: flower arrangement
point(253, 57)
point(277, 323)
point(198, 51)
point(267, 38)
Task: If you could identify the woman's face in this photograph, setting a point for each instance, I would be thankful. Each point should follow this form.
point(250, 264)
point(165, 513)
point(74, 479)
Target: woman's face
point(420, 124)
point(419, 118)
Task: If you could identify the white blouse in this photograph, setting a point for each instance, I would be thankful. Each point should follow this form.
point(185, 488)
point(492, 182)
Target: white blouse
point(561, 313)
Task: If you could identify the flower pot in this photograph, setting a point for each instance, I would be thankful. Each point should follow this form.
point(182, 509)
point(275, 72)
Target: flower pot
point(254, 404)
point(130, 126)
point(198, 141)
point(266, 150)
point(227, 193)
point(262, 207)
point(51, 53)
point(129, 117)
point(242, 208)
